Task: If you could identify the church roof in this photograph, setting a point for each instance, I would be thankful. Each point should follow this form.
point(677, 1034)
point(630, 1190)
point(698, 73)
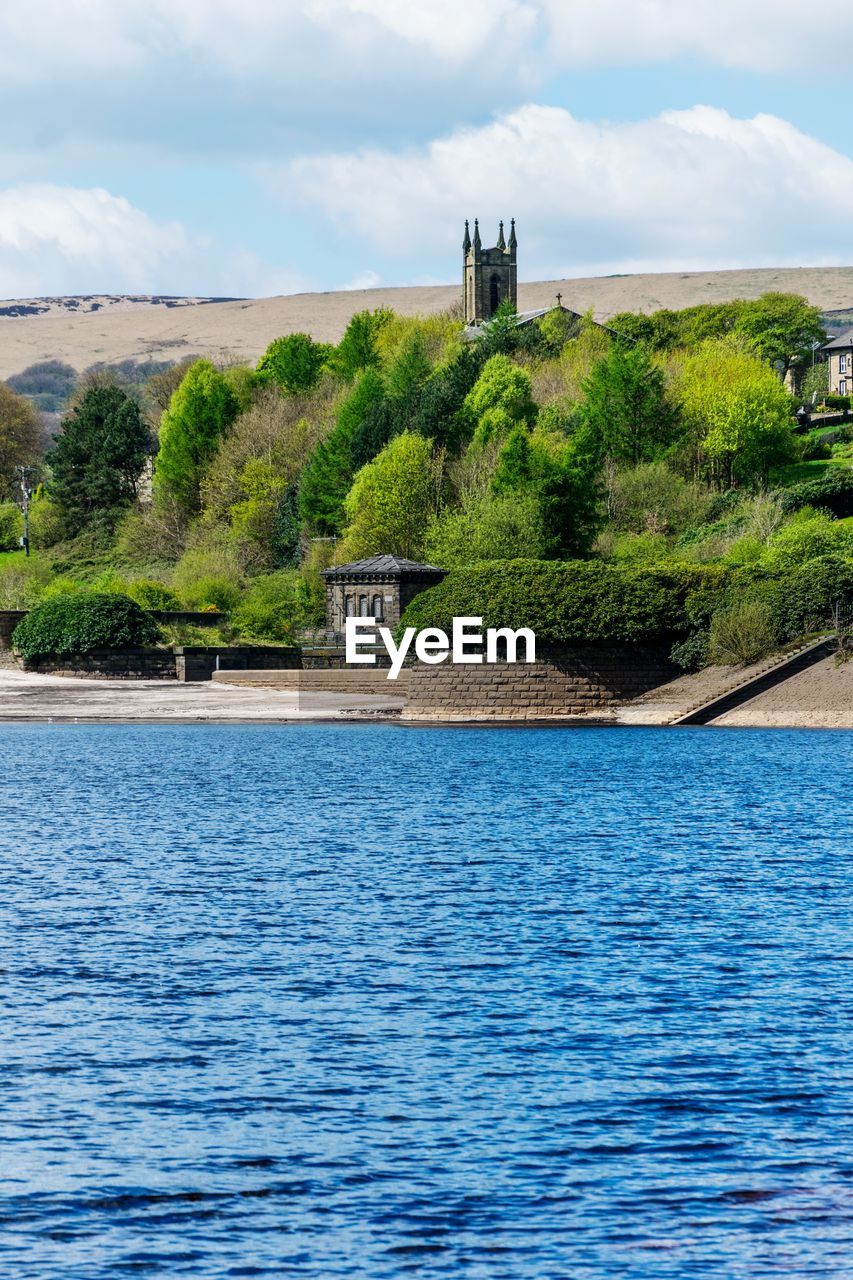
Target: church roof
point(381, 566)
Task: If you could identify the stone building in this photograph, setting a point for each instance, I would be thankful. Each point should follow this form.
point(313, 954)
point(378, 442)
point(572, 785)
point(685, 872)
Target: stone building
point(838, 354)
point(489, 275)
point(380, 587)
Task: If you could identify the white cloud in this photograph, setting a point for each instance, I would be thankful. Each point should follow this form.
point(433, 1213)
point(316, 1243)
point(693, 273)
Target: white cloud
point(296, 41)
point(65, 240)
point(756, 35)
point(40, 38)
point(694, 188)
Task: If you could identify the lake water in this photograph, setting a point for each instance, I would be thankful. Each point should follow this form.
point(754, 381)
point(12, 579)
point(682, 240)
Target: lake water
point(366, 1001)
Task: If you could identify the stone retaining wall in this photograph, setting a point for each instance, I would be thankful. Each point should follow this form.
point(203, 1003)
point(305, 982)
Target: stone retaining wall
point(110, 664)
point(184, 663)
point(564, 682)
point(320, 680)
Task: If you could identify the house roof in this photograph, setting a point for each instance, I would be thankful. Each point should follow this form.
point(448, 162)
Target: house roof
point(382, 566)
point(842, 342)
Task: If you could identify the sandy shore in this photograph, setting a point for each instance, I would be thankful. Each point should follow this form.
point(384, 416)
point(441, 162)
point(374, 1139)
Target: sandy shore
point(24, 696)
point(818, 698)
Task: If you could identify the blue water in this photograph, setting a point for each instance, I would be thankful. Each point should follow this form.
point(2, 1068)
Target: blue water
point(366, 1001)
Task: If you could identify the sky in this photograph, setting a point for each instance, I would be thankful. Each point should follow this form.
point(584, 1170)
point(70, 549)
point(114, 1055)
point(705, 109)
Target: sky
point(258, 147)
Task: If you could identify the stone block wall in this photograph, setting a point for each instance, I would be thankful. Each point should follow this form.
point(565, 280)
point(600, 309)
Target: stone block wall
point(195, 662)
point(110, 664)
point(563, 682)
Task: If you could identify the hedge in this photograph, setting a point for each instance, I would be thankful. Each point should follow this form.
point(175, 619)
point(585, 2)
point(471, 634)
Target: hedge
point(574, 601)
point(833, 492)
point(81, 622)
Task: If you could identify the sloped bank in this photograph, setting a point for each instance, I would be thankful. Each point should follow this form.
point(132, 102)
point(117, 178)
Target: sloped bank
point(565, 682)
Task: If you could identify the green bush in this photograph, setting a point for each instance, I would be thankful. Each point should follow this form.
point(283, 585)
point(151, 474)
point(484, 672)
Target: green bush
point(220, 593)
point(808, 535)
point(79, 623)
point(833, 492)
point(691, 654)
point(571, 601)
point(150, 594)
point(277, 604)
point(744, 632)
point(836, 402)
point(11, 526)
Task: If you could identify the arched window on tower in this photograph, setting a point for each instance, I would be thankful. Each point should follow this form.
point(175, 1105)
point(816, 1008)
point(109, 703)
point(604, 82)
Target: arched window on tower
point(494, 292)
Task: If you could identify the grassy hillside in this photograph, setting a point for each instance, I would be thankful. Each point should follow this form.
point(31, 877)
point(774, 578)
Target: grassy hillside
point(243, 329)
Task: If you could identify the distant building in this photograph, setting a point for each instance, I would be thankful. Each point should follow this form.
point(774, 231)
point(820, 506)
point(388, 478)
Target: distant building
point(380, 587)
point(839, 358)
point(489, 275)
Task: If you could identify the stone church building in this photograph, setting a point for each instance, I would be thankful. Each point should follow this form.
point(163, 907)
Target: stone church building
point(489, 275)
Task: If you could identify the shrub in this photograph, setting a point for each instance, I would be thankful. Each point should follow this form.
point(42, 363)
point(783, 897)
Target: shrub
point(202, 593)
point(691, 654)
point(802, 598)
point(277, 604)
point(22, 582)
point(79, 623)
point(808, 535)
point(11, 526)
point(744, 632)
point(833, 492)
point(836, 402)
point(149, 594)
point(570, 601)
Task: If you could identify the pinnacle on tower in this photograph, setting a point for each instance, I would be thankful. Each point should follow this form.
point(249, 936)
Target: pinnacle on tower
point(466, 243)
point(478, 244)
point(501, 241)
point(513, 242)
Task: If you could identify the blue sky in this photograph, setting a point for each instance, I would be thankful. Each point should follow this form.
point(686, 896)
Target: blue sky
point(252, 147)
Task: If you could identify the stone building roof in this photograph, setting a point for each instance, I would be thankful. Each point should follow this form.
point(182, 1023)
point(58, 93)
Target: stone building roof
point(842, 343)
point(381, 567)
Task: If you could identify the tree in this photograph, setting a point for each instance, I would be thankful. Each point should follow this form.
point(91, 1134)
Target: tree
point(736, 410)
point(98, 457)
point(543, 465)
point(199, 413)
point(20, 440)
point(357, 348)
point(439, 411)
point(500, 399)
point(361, 430)
point(626, 411)
point(782, 328)
point(393, 500)
point(294, 362)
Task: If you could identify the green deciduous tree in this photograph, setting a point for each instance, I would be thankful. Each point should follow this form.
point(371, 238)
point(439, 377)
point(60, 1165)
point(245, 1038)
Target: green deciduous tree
point(500, 399)
point(98, 457)
point(20, 440)
point(393, 500)
point(626, 413)
point(200, 411)
point(357, 348)
point(736, 410)
point(782, 328)
point(294, 362)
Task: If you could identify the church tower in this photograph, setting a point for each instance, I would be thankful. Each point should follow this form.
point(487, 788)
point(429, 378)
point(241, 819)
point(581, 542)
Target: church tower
point(489, 275)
